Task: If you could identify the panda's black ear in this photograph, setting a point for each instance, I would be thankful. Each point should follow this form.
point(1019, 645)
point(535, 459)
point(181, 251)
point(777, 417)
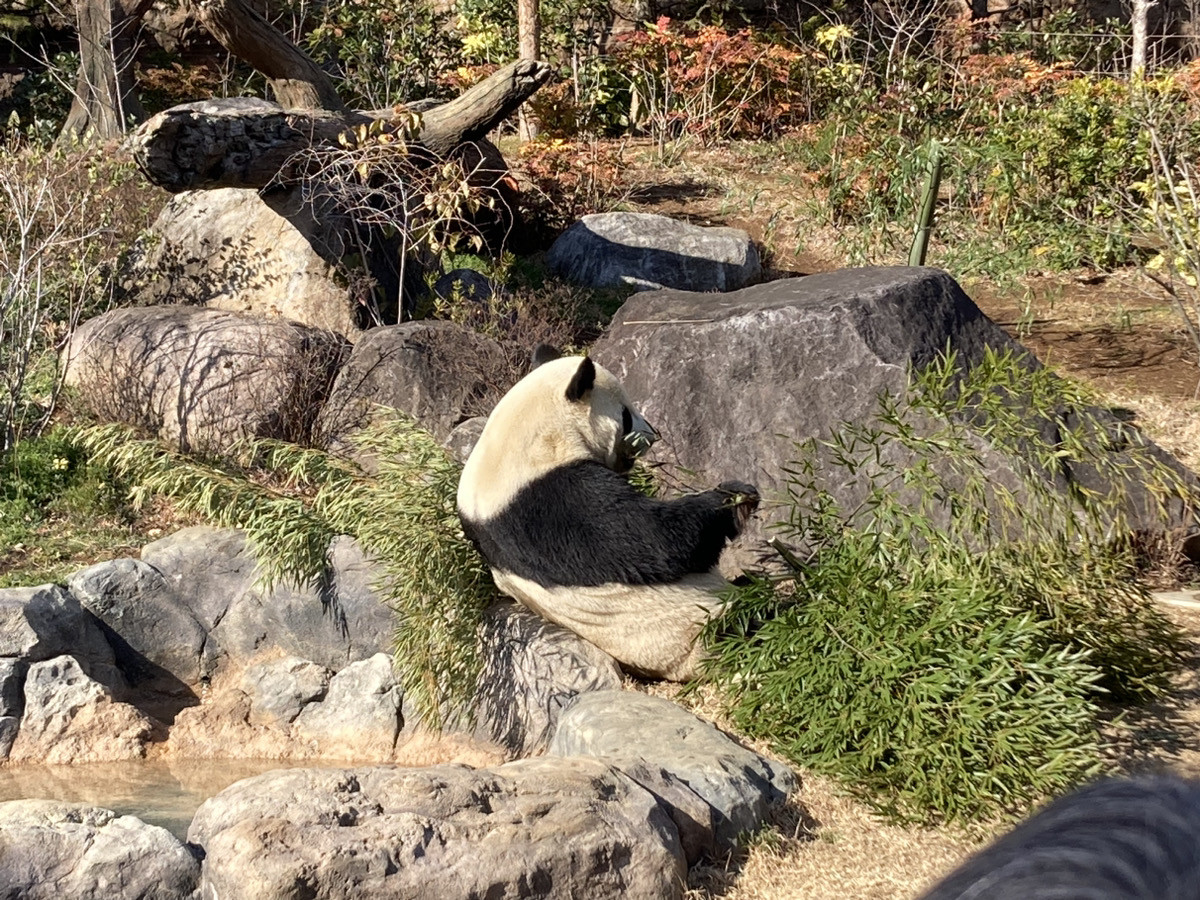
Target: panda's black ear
point(542, 353)
point(581, 383)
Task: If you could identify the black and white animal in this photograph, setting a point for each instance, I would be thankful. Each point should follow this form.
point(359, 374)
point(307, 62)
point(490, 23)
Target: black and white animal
point(545, 498)
point(1120, 839)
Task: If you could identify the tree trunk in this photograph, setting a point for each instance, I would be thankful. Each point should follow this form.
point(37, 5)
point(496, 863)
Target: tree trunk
point(105, 101)
point(252, 143)
point(298, 82)
point(529, 34)
point(1139, 17)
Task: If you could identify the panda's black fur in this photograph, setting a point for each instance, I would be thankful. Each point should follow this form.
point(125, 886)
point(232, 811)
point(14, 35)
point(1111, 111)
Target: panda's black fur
point(583, 524)
point(565, 533)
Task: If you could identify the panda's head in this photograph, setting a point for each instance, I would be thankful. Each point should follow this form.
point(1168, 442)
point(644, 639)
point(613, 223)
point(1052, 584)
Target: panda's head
point(566, 410)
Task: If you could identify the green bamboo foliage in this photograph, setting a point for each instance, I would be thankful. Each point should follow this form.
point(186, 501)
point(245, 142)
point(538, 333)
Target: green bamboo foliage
point(945, 638)
point(292, 502)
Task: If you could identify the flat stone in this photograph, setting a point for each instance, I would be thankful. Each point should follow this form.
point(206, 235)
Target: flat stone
point(646, 251)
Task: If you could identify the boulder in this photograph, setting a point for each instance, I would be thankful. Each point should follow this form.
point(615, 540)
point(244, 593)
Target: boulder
point(213, 573)
point(650, 736)
point(156, 639)
point(69, 718)
point(200, 378)
point(439, 373)
point(51, 850)
point(562, 828)
point(464, 437)
point(280, 689)
point(733, 381)
point(282, 260)
point(646, 251)
point(359, 716)
point(40, 623)
point(206, 568)
point(532, 671)
point(467, 285)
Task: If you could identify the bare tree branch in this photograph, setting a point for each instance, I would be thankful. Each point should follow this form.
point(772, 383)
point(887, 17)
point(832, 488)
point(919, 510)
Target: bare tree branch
point(298, 82)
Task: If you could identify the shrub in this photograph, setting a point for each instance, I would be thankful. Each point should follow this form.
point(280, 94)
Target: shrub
point(66, 218)
point(383, 51)
point(946, 643)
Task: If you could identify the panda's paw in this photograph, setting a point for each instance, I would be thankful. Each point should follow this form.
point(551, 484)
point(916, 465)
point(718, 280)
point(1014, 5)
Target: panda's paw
point(743, 498)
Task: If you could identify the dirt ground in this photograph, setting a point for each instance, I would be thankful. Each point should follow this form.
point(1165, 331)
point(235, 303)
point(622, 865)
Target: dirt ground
point(1113, 333)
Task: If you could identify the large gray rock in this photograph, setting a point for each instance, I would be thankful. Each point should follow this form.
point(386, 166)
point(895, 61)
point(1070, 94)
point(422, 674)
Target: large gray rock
point(206, 567)
point(532, 671)
point(157, 640)
point(440, 373)
point(647, 251)
point(650, 736)
point(38, 623)
point(563, 828)
point(279, 689)
point(69, 718)
point(359, 714)
point(753, 372)
point(51, 850)
point(213, 574)
point(236, 249)
point(201, 378)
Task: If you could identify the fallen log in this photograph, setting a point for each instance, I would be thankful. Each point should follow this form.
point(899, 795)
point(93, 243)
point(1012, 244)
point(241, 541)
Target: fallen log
point(250, 143)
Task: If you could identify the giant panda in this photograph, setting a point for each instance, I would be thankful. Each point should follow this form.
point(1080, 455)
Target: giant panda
point(544, 497)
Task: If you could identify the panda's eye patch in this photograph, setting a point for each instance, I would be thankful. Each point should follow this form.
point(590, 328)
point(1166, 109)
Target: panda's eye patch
point(626, 420)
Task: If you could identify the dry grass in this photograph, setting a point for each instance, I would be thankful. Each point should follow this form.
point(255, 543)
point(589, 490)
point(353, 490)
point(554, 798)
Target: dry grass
point(822, 844)
point(1173, 423)
point(825, 846)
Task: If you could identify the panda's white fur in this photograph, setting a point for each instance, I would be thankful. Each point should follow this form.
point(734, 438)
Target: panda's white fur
point(574, 542)
point(535, 428)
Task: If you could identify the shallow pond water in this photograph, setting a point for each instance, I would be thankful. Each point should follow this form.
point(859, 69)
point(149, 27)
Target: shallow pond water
point(159, 792)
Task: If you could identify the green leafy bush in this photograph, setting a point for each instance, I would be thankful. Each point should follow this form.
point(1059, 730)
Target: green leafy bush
point(383, 51)
point(946, 645)
point(292, 502)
